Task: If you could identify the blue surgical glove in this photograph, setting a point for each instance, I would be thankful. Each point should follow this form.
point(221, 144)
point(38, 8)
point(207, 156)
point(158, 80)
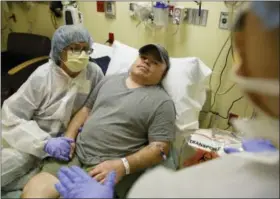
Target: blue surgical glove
point(75, 183)
point(59, 148)
point(253, 145)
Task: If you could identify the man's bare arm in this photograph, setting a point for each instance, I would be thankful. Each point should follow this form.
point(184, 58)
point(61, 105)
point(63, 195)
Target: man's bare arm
point(77, 121)
point(148, 156)
point(161, 127)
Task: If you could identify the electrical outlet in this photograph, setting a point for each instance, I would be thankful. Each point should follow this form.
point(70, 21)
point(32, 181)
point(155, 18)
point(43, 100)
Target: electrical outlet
point(110, 9)
point(224, 21)
point(230, 117)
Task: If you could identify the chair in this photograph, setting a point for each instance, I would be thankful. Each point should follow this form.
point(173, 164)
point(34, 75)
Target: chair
point(25, 52)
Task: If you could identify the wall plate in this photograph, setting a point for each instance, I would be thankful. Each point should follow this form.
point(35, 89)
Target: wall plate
point(224, 21)
point(110, 9)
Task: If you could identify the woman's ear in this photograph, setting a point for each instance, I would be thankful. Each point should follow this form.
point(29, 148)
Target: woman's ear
point(63, 56)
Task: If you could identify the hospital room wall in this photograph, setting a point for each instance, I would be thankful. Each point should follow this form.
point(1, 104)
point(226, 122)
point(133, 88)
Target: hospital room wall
point(190, 40)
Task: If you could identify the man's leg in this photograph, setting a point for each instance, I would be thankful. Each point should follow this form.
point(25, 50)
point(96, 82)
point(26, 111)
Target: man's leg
point(42, 185)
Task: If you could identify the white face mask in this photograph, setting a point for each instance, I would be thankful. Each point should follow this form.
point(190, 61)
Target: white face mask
point(263, 126)
point(76, 62)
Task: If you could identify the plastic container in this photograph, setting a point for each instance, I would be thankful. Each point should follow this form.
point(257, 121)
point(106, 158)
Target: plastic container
point(161, 12)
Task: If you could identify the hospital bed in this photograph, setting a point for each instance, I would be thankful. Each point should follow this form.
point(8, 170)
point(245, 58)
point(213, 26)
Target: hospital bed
point(194, 72)
point(185, 83)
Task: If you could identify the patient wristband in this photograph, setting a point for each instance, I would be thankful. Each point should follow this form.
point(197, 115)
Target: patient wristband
point(126, 166)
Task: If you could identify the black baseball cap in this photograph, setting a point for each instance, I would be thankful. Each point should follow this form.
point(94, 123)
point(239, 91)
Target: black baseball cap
point(157, 51)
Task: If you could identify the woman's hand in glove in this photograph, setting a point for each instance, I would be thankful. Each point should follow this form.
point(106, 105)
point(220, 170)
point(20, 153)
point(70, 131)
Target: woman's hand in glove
point(75, 183)
point(59, 148)
point(253, 145)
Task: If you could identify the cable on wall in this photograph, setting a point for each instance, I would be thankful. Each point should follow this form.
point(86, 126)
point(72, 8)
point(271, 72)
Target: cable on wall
point(228, 111)
point(215, 62)
point(226, 91)
point(220, 79)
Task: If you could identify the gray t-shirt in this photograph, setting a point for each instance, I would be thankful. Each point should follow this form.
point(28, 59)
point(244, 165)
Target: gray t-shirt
point(124, 120)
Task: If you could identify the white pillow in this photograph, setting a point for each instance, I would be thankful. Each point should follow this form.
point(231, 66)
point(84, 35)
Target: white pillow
point(101, 50)
point(122, 58)
point(184, 82)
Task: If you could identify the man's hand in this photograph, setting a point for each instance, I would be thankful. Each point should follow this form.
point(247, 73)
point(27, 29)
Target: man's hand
point(101, 171)
point(73, 145)
point(72, 135)
point(72, 151)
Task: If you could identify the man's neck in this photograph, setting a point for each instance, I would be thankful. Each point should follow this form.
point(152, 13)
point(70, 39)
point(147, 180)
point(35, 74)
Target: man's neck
point(132, 82)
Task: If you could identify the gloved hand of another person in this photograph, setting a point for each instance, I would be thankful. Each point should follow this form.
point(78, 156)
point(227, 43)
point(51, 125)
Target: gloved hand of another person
point(253, 145)
point(75, 183)
point(59, 148)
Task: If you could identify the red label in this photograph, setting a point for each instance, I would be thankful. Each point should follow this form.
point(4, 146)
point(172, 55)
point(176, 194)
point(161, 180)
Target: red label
point(100, 6)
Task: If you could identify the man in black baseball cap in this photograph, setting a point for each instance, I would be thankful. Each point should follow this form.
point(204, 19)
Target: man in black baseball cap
point(152, 65)
point(128, 126)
